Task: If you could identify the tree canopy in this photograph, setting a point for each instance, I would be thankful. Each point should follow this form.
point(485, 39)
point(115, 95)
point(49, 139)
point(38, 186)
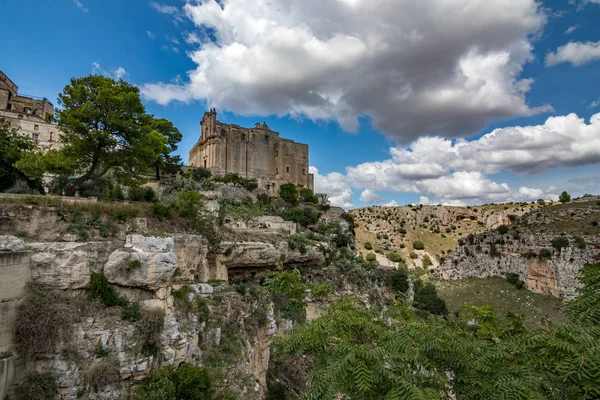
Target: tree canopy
point(106, 130)
point(398, 353)
point(13, 151)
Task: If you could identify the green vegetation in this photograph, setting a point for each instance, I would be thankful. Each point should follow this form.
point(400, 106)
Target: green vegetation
point(560, 242)
point(478, 356)
point(418, 245)
point(371, 257)
point(43, 320)
point(103, 373)
point(427, 261)
point(237, 180)
point(368, 245)
point(302, 215)
point(36, 386)
point(141, 194)
point(289, 192)
point(394, 257)
point(186, 382)
point(101, 289)
point(16, 151)
point(307, 195)
point(106, 132)
point(398, 280)
point(564, 197)
point(515, 279)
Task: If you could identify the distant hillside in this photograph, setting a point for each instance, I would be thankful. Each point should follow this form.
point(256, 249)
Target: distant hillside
point(394, 229)
point(544, 249)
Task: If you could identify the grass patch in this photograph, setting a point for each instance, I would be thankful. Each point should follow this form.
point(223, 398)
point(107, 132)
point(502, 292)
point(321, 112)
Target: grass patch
point(504, 297)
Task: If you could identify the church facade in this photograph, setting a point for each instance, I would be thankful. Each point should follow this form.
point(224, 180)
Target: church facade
point(255, 152)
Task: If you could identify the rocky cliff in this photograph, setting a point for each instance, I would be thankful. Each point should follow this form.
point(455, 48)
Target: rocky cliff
point(546, 249)
point(182, 278)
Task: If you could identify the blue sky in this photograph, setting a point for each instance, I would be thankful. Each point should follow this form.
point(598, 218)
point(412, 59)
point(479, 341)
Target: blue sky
point(318, 74)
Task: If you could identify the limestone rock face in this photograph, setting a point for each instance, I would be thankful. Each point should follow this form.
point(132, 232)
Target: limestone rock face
point(67, 265)
point(145, 262)
point(556, 275)
point(260, 254)
point(11, 243)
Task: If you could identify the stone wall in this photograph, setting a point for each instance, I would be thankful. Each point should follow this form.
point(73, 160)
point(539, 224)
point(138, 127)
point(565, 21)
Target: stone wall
point(14, 274)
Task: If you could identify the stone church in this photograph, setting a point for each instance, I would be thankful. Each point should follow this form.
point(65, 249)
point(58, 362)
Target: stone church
point(255, 152)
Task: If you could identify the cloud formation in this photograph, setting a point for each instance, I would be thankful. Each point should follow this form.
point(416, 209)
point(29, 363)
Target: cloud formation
point(456, 172)
point(80, 5)
point(428, 67)
point(576, 53)
point(117, 73)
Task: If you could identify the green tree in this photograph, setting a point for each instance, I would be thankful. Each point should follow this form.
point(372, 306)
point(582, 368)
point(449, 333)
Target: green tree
point(308, 196)
point(564, 197)
point(166, 161)
point(289, 192)
point(17, 159)
point(105, 131)
point(359, 353)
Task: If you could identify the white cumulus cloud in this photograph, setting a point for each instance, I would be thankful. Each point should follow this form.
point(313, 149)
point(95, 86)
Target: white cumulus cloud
point(576, 53)
point(456, 172)
point(413, 67)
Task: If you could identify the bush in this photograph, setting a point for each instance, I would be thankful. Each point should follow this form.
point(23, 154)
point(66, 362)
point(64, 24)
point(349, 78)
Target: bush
point(100, 289)
point(398, 280)
point(308, 196)
point(560, 242)
point(502, 229)
point(413, 255)
point(302, 215)
point(104, 373)
point(192, 382)
point(371, 257)
point(142, 194)
point(541, 202)
point(131, 311)
point(36, 386)
point(21, 187)
point(289, 192)
point(515, 280)
point(580, 242)
point(201, 174)
point(545, 253)
point(427, 261)
point(187, 382)
point(368, 246)
point(418, 245)
point(107, 228)
point(158, 386)
point(43, 320)
point(394, 257)
point(426, 298)
point(148, 328)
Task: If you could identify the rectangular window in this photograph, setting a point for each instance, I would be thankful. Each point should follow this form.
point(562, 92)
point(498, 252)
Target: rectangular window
point(9, 106)
point(204, 163)
point(35, 137)
point(277, 170)
point(36, 127)
point(222, 132)
point(267, 139)
point(243, 137)
point(287, 169)
point(303, 171)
